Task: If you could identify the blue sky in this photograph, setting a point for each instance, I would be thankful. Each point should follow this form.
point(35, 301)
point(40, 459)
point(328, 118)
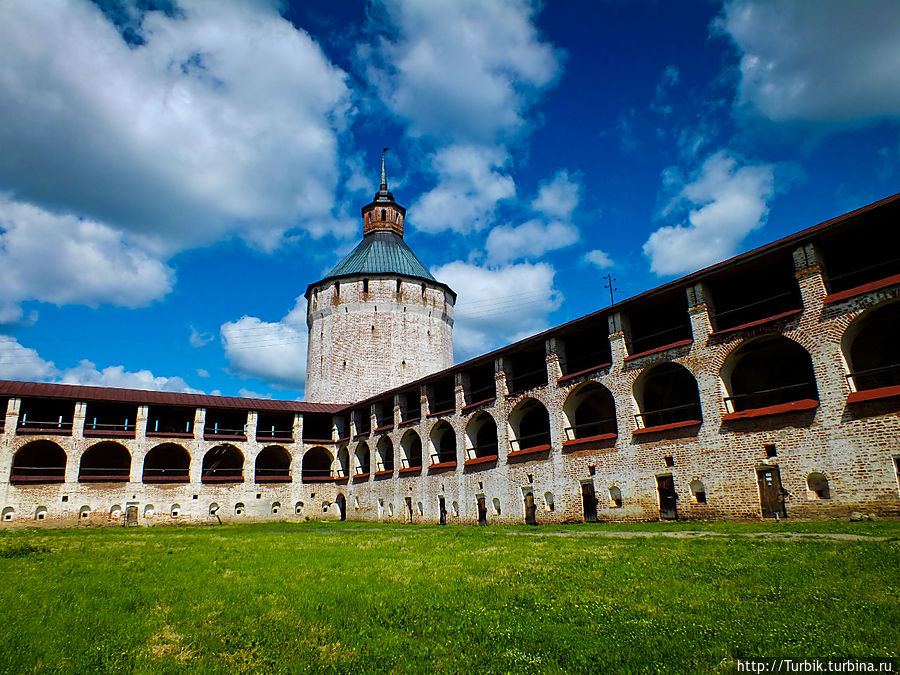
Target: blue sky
point(173, 174)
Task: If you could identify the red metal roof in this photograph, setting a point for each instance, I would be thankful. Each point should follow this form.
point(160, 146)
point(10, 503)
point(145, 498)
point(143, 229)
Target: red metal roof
point(140, 396)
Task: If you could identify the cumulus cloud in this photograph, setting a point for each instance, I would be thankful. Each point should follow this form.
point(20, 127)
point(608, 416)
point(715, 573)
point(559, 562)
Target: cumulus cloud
point(725, 200)
point(63, 259)
point(116, 376)
point(463, 70)
point(499, 305)
point(825, 61)
point(221, 119)
point(462, 76)
point(558, 197)
point(470, 185)
point(531, 239)
point(18, 362)
point(22, 363)
point(599, 258)
point(274, 352)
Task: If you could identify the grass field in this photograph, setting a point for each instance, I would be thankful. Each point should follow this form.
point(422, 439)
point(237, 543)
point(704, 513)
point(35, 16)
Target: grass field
point(356, 597)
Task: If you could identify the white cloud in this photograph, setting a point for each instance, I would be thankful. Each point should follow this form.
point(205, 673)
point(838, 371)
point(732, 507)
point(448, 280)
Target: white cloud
point(497, 306)
point(529, 240)
point(470, 186)
point(202, 372)
point(23, 363)
point(199, 339)
point(558, 197)
point(599, 258)
point(224, 121)
point(272, 352)
point(463, 70)
point(116, 376)
point(828, 60)
point(725, 201)
point(63, 259)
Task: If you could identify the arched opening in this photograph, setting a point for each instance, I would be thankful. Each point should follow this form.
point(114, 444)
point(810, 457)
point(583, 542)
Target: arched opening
point(871, 346)
point(442, 442)
point(529, 426)
point(223, 464)
point(167, 463)
point(768, 372)
point(384, 455)
point(817, 486)
point(590, 412)
point(411, 450)
point(341, 502)
point(316, 466)
point(342, 463)
point(481, 436)
point(615, 497)
point(667, 394)
point(239, 509)
point(273, 465)
point(105, 462)
point(39, 462)
point(698, 491)
point(363, 463)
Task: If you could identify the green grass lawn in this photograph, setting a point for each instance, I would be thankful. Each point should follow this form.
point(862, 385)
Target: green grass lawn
point(358, 597)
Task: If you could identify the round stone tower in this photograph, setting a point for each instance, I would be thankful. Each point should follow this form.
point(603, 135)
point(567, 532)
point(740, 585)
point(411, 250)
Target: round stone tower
point(379, 318)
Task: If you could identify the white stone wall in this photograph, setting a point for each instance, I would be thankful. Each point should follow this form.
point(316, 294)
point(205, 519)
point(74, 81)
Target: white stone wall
point(363, 343)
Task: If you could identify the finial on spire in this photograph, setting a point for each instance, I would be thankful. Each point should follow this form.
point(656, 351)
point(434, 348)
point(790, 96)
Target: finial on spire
point(383, 174)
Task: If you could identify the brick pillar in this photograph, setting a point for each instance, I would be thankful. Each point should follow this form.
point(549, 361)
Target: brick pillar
point(78, 419)
point(6, 438)
point(617, 339)
point(500, 377)
point(199, 423)
point(699, 309)
point(459, 391)
point(556, 354)
point(826, 357)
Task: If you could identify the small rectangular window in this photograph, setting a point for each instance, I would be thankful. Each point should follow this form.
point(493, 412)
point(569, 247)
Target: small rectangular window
point(365, 285)
point(771, 451)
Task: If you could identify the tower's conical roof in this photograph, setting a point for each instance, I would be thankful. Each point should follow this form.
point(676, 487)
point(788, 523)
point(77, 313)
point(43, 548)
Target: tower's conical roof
point(382, 252)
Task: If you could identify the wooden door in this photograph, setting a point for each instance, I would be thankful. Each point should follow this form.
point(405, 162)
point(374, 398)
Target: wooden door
point(771, 494)
point(482, 511)
point(589, 502)
point(443, 510)
point(530, 509)
point(668, 498)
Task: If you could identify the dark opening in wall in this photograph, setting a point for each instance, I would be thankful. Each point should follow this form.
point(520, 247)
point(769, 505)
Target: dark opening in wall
point(441, 396)
point(363, 459)
point(225, 423)
point(411, 446)
point(771, 451)
point(443, 443)
point(317, 427)
point(316, 466)
point(481, 436)
point(170, 420)
point(586, 347)
point(4, 406)
point(872, 348)
point(766, 372)
point(530, 424)
point(273, 465)
point(223, 464)
point(46, 415)
point(754, 291)
point(384, 452)
point(384, 413)
point(105, 462)
point(817, 485)
point(590, 411)
point(365, 285)
point(527, 369)
point(275, 427)
point(167, 463)
point(659, 322)
point(669, 461)
point(114, 419)
point(481, 384)
point(39, 462)
point(863, 251)
point(410, 405)
point(362, 420)
point(342, 466)
point(667, 394)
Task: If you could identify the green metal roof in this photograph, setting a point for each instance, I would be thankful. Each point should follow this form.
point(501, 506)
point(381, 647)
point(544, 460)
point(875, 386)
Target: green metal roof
point(382, 253)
